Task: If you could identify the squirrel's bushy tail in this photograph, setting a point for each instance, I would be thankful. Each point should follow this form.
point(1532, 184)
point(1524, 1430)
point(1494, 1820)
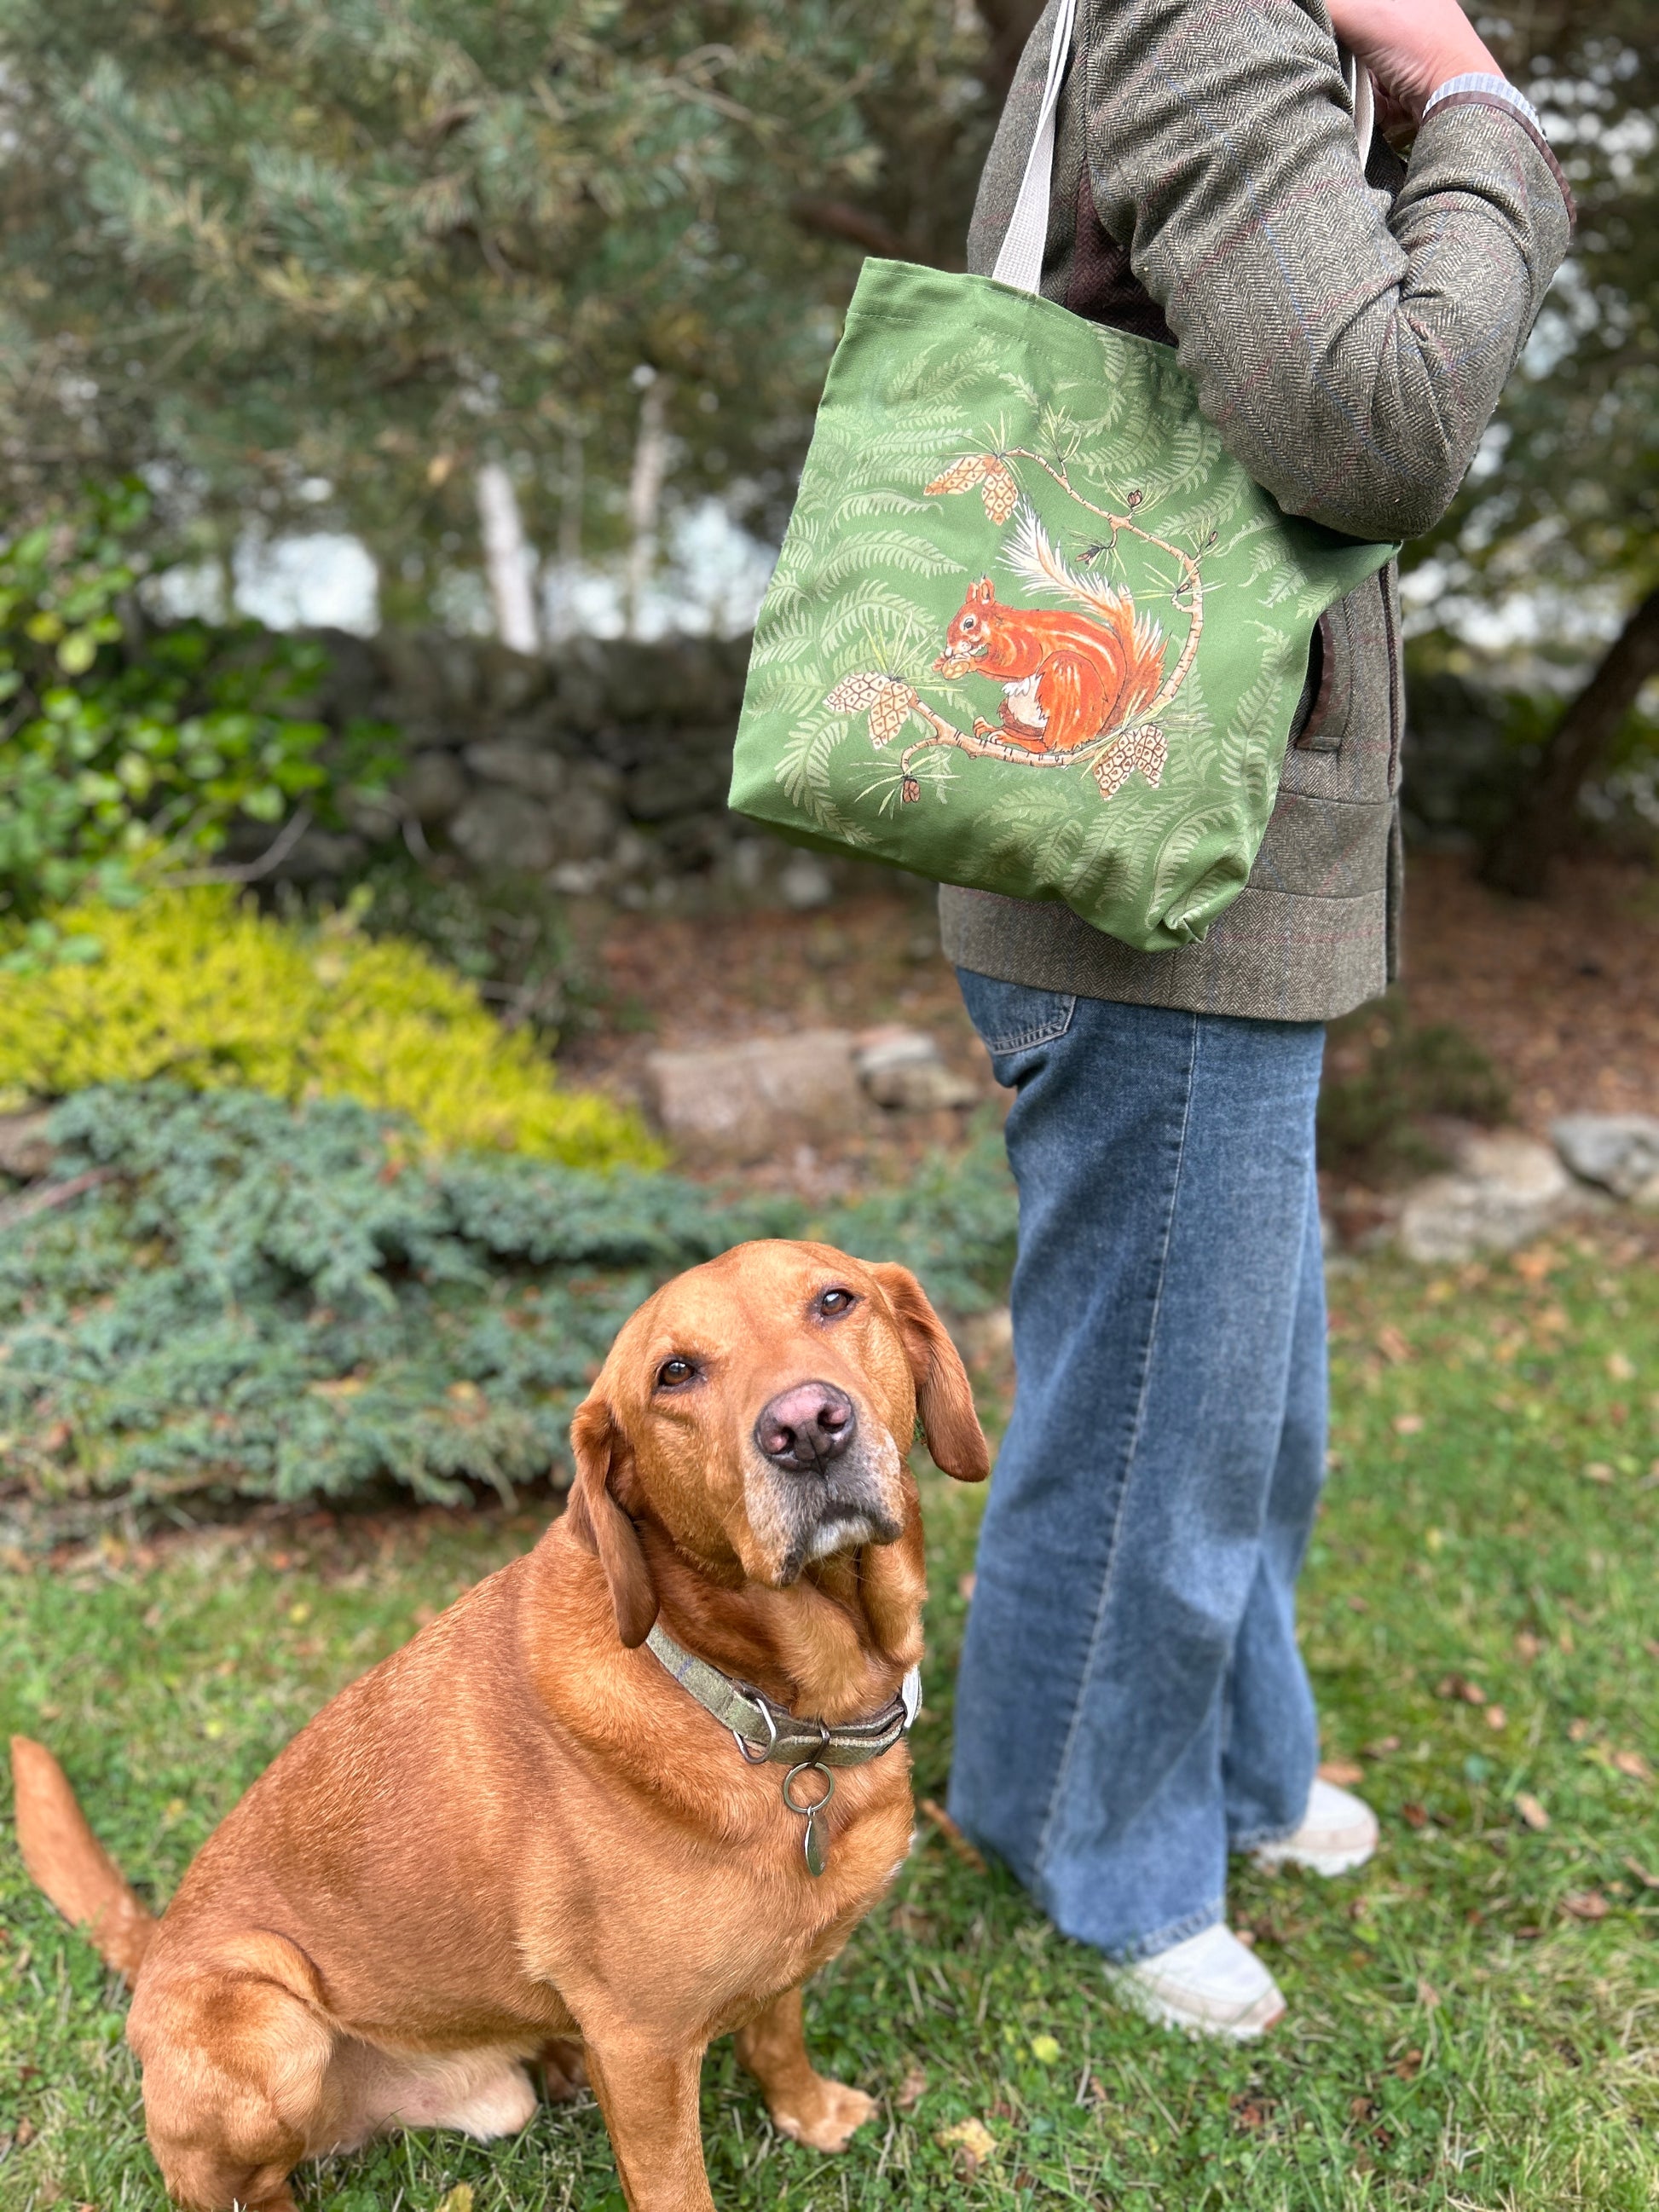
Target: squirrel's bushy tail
point(69, 1864)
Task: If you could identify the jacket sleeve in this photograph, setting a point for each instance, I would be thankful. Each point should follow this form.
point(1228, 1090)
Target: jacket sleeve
point(1351, 351)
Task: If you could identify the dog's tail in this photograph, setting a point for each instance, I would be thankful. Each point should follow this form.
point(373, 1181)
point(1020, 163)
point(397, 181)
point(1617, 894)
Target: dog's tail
point(70, 1864)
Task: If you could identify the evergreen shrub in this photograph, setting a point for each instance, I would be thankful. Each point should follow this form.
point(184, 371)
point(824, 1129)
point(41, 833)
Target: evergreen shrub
point(200, 987)
point(266, 1302)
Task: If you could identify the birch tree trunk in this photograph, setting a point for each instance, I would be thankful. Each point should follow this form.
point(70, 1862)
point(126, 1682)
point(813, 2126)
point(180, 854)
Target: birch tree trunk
point(509, 564)
point(645, 497)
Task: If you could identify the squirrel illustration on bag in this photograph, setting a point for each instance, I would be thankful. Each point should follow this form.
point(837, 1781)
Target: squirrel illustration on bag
point(1067, 678)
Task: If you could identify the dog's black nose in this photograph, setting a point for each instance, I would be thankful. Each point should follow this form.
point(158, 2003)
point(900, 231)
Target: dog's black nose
point(803, 1429)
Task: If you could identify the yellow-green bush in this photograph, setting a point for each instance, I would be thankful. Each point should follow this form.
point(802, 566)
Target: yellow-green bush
point(198, 987)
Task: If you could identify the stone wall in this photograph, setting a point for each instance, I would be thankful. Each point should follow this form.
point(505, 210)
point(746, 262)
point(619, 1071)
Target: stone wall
point(603, 769)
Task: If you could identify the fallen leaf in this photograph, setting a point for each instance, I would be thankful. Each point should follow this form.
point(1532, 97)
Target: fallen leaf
point(25, 2133)
point(1621, 1367)
point(1578, 1730)
point(1361, 2108)
point(1250, 2111)
point(1381, 1747)
point(460, 2198)
point(1651, 1644)
point(1459, 1686)
point(1585, 1905)
point(973, 2143)
point(911, 2090)
point(1427, 1995)
point(1598, 1471)
point(1648, 1881)
point(1533, 1266)
point(1497, 1717)
point(1531, 1811)
point(1414, 1816)
point(910, 1920)
point(1045, 2049)
point(1407, 1425)
point(1410, 2066)
point(1392, 1344)
point(1342, 1771)
point(952, 1834)
point(1633, 1764)
point(1528, 1646)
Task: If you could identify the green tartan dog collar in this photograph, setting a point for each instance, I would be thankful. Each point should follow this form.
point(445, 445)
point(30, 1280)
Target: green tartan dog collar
point(768, 1734)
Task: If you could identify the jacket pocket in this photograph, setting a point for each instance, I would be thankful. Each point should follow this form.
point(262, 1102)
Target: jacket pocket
point(1014, 1016)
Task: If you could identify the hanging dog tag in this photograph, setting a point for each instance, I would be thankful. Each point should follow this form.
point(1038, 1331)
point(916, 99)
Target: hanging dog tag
point(814, 1843)
point(814, 1859)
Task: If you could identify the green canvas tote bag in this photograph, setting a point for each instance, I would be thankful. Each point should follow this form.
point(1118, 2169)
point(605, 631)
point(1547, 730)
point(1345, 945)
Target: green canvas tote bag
point(1032, 630)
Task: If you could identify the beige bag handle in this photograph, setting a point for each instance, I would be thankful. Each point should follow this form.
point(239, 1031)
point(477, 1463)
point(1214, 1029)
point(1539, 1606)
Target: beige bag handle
point(1020, 261)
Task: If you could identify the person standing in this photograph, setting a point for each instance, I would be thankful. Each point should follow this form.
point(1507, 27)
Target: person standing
point(1132, 1705)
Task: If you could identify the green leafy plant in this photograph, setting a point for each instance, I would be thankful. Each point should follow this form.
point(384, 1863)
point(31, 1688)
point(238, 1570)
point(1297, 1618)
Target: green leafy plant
point(123, 743)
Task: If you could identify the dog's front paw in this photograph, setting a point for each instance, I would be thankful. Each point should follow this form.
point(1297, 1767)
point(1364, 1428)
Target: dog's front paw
point(828, 2119)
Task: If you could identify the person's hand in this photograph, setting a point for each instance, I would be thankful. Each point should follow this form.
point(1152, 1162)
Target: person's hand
point(1411, 47)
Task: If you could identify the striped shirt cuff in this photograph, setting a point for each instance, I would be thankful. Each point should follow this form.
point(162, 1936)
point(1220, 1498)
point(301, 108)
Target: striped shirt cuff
point(1494, 87)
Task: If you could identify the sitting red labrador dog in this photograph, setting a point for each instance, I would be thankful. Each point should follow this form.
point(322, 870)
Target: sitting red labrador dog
point(625, 1795)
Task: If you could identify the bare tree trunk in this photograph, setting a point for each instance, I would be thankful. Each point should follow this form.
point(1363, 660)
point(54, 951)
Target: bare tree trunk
point(1518, 857)
point(645, 496)
point(509, 561)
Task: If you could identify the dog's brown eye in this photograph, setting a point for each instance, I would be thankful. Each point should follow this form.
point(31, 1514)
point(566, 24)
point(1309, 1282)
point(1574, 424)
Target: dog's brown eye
point(832, 1302)
point(673, 1372)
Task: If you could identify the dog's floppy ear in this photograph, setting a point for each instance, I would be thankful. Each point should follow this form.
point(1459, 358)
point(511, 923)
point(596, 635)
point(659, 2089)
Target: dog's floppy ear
point(944, 1398)
point(602, 1525)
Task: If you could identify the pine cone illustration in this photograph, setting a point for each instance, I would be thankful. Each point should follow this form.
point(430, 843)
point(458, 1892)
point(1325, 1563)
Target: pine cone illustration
point(999, 491)
point(1145, 750)
point(888, 699)
point(909, 791)
point(963, 475)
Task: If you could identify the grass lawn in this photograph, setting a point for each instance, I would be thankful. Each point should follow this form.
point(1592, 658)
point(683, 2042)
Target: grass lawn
point(1474, 2019)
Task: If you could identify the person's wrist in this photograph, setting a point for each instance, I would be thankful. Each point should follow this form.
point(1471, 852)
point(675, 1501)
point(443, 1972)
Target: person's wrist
point(1463, 56)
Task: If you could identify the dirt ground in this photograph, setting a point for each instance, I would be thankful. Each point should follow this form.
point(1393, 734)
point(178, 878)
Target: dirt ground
point(1563, 993)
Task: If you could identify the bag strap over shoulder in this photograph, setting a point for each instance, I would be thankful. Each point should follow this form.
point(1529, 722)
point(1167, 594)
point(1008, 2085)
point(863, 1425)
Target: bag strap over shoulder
point(1020, 261)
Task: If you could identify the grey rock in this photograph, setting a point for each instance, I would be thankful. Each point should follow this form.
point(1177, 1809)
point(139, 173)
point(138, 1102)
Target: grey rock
point(1619, 1151)
point(680, 771)
point(505, 831)
point(432, 787)
point(533, 768)
point(742, 1103)
point(902, 1068)
point(586, 822)
point(804, 883)
point(510, 680)
point(1506, 1188)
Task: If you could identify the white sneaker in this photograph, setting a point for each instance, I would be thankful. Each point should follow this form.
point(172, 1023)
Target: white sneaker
point(1210, 1984)
point(1339, 1832)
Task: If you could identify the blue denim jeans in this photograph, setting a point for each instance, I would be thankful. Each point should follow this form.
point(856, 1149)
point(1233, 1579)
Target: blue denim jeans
point(1132, 1705)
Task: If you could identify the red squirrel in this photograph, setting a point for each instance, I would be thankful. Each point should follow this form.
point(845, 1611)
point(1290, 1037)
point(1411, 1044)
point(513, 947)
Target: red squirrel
point(1066, 677)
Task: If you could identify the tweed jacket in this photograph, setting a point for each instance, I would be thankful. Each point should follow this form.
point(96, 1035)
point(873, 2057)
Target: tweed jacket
point(1350, 336)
